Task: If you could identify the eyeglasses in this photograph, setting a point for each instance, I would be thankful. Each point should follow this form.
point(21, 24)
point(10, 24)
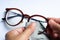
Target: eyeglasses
point(14, 17)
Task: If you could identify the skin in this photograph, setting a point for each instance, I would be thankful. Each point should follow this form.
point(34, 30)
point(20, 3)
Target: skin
point(21, 33)
point(24, 34)
point(55, 26)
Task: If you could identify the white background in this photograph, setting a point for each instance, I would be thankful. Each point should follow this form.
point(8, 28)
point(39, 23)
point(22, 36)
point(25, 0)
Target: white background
point(47, 8)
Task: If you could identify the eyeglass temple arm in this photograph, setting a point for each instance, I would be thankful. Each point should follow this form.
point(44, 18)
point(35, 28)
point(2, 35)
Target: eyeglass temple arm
point(11, 17)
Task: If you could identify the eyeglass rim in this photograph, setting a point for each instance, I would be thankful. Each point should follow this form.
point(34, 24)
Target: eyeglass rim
point(38, 16)
point(7, 10)
point(42, 17)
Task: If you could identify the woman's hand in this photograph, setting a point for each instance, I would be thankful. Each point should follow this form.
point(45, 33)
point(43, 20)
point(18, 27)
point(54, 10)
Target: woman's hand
point(54, 24)
point(21, 33)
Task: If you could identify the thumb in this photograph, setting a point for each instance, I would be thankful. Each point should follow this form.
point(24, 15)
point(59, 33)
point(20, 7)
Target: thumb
point(29, 30)
point(54, 25)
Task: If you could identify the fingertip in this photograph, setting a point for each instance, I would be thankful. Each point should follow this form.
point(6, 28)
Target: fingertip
point(29, 30)
point(32, 25)
point(51, 22)
point(54, 25)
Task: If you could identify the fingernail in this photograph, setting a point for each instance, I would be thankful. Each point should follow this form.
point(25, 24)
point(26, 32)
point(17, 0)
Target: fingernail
point(51, 21)
point(55, 35)
point(32, 25)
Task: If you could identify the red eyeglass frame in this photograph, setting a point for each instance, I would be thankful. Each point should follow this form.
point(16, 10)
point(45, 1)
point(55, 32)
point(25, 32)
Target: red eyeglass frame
point(23, 15)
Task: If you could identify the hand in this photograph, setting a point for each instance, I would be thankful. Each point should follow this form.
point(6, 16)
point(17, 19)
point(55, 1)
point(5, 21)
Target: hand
point(21, 33)
point(55, 26)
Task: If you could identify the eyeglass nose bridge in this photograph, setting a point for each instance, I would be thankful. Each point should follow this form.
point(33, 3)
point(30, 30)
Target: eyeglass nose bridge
point(27, 16)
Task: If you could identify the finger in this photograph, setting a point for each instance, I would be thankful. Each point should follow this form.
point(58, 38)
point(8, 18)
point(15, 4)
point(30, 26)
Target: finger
point(14, 33)
point(54, 25)
point(29, 30)
point(20, 30)
point(55, 19)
